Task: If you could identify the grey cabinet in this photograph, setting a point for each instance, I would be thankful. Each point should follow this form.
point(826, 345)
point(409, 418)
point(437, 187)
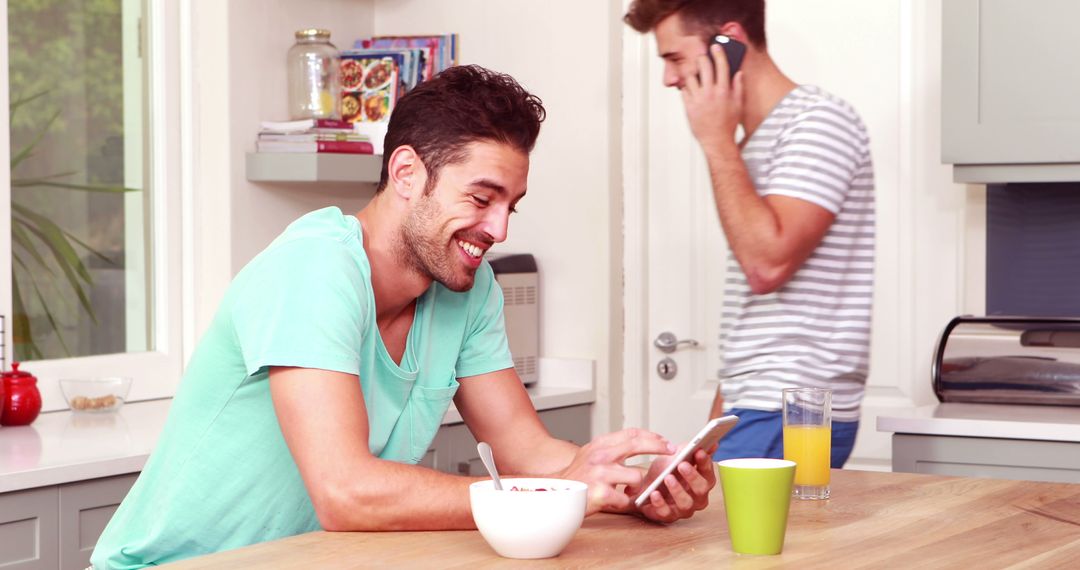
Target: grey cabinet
point(29, 530)
point(85, 509)
point(1054, 461)
point(1011, 90)
point(57, 526)
point(454, 448)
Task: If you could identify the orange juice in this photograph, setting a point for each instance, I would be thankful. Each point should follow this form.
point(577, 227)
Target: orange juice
point(809, 447)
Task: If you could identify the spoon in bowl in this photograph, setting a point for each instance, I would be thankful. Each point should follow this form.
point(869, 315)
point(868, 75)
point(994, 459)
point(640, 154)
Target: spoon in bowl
point(489, 463)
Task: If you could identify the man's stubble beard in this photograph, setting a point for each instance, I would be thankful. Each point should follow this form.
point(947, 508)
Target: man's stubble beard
point(428, 254)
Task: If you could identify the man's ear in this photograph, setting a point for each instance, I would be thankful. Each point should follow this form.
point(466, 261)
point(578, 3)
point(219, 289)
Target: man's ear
point(406, 172)
point(736, 31)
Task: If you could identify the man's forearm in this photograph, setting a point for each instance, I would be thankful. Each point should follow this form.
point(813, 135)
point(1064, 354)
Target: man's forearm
point(750, 225)
point(544, 458)
point(385, 495)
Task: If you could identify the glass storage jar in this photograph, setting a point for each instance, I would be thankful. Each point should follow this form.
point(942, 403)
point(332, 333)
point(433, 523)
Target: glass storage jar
point(313, 67)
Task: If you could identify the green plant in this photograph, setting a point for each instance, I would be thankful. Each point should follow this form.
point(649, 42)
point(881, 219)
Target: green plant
point(37, 240)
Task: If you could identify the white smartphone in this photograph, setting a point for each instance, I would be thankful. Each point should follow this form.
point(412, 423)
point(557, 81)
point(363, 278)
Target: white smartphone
point(710, 434)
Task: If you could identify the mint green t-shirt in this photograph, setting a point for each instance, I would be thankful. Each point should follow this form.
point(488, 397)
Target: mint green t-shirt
point(221, 475)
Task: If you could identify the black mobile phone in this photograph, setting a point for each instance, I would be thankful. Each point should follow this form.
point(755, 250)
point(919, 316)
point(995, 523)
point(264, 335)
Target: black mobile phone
point(733, 49)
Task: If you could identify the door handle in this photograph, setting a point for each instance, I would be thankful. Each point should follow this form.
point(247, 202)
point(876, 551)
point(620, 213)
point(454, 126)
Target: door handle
point(667, 342)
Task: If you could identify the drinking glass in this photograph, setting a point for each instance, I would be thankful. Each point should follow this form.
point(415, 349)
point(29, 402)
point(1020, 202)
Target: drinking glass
point(808, 439)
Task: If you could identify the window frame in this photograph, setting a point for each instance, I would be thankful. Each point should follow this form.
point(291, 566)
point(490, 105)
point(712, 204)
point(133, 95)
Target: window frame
point(156, 371)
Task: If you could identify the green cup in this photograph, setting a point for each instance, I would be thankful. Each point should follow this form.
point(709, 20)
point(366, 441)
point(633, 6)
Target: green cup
point(757, 494)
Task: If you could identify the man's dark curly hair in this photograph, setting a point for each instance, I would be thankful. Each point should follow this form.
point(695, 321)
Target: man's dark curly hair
point(463, 104)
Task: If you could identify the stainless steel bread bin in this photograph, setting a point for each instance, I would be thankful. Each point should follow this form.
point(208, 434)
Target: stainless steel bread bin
point(1008, 360)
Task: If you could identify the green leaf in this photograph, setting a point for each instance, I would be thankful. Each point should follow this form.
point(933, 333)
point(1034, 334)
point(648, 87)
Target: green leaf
point(66, 258)
point(80, 187)
point(54, 238)
point(26, 150)
point(49, 315)
point(14, 106)
point(90, 249)
point(29, 181)
point(22, 335)
point(23, 240)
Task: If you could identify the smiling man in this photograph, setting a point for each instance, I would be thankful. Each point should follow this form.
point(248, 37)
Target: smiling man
point(336, 352)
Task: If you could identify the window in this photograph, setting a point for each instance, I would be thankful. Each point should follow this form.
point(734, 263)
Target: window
point(91, 250)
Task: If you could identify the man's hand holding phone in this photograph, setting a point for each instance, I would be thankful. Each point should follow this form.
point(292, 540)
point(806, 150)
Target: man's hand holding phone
point(713, 102)
point(679, 485)
point(684, 492)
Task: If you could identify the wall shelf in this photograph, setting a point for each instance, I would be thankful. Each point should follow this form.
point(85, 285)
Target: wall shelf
point(313, 167)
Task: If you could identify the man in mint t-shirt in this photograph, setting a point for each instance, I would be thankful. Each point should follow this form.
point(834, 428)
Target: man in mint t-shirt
point(336, 352)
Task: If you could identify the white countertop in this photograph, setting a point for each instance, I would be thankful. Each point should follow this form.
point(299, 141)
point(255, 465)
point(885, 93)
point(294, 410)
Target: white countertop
point(1049, 423)
point(61, 447)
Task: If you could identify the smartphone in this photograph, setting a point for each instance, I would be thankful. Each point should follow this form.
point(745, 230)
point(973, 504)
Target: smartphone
point(733, 49)
point(709, 435)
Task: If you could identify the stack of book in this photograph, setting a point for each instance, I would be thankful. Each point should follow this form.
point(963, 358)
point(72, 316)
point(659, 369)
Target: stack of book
point(312, 135)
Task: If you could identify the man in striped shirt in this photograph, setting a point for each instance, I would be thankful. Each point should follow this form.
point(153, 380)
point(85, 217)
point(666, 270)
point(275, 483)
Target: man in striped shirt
point(796, 202)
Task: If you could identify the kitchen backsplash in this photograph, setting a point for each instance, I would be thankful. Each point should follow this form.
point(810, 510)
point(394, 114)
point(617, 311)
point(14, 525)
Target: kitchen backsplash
point(1033, 249)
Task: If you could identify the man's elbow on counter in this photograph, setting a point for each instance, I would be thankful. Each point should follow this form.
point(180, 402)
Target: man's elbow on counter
point(340, 508)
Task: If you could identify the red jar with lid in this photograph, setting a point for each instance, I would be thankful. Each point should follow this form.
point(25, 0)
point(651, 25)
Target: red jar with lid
point(21, 398)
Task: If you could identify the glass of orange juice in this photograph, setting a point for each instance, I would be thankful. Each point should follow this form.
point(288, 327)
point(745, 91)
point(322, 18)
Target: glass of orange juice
point(808, 439)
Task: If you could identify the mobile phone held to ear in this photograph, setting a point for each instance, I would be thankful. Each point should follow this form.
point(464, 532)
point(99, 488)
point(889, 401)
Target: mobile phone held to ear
point(733, 49)
point(706, 438)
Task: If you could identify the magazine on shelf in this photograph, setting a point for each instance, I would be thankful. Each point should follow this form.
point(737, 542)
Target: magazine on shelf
point(410, 62)
point(301, 125)
point(443, 49)
point(340, 147)
point(314, 136)
point(369, 86)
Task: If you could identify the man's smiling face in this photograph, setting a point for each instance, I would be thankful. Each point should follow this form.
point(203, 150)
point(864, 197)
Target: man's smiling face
point(451, 225)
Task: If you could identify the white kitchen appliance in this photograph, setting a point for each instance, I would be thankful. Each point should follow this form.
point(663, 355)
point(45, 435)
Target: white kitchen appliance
point(519, 279)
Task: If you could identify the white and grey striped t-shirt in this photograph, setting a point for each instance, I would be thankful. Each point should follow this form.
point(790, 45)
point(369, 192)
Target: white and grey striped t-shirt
point(815, 330)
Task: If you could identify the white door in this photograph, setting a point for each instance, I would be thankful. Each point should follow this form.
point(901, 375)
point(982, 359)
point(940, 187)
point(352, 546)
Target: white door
point(675, 256)
point(867, 53)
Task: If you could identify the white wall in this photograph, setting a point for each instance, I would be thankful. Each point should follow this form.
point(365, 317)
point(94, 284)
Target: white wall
point(238, 79)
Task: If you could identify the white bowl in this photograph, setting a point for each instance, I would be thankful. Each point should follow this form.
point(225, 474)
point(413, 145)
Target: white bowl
point(528, 523)
point(95, 394)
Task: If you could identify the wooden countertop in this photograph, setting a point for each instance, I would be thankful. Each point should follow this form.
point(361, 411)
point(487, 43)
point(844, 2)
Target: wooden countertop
point(878, 520)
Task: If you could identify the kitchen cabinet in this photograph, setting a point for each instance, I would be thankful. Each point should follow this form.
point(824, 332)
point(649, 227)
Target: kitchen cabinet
point(85, 509)
point(57, 526)
point(1052, 461)
point(29, 531)
point(1010, 86)
point(454, 447)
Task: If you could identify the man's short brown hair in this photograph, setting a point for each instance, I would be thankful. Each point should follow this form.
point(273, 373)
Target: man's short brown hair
point(460, 105)
point(702, 17)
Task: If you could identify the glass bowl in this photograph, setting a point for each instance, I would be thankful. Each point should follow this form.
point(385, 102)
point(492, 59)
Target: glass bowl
point(95, 394)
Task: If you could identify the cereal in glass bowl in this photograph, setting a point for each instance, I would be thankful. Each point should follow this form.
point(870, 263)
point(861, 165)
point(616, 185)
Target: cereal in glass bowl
point(95, 394)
